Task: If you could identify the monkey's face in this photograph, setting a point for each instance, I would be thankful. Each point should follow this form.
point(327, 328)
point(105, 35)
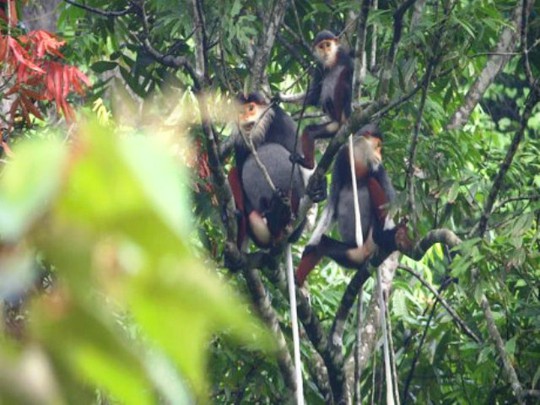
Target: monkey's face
point(367, 154)
point(326, 52)
point(250, 114)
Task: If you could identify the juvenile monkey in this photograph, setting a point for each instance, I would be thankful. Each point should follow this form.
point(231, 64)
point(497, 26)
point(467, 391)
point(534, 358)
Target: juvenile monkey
point(330, 89)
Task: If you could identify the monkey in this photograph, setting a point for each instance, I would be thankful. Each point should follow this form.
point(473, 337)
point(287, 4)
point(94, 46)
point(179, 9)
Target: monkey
point(375, 192)
point(268, 211)
point(331, 89)
point(261, 123)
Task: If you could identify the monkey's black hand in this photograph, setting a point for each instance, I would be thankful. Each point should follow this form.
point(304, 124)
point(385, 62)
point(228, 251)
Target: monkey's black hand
point(295, 157)
point(279, 212)
point(276, 99)
point(233, 258)
point(316, 189)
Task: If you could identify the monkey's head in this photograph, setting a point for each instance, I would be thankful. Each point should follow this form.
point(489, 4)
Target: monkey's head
point(254, 117)
point(368, 146)
point(326, 46)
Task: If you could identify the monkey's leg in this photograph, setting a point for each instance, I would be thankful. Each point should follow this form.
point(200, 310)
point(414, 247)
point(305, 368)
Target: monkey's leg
point(238, 195)
point(278, 215)
point(312, 132)
point(310, 258)
point(259, 229)
point(345, 254)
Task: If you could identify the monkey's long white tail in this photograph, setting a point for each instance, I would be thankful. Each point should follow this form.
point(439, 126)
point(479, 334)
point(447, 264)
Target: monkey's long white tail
point(294, 322)
point(386, 348)
point(357, 219)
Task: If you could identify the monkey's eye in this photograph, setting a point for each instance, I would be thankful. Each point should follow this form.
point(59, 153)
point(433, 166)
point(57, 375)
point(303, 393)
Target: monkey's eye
point(251, 107)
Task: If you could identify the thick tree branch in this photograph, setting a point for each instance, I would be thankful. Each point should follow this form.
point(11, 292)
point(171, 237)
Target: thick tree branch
point(386, 73)
point(507, 44)
point(338, 381)
point(360, 51)
point(443, 236)
point(319, 372)
point(273, 21)
point(499, 345)
point(201, 57)
point(372, 322)
point(261, 300)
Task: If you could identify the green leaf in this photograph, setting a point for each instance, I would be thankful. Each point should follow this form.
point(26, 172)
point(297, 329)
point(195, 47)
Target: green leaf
point(29, 183)
point(103, 66)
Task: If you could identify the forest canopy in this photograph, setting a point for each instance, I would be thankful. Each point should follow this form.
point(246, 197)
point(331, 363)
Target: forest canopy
point(121, 273)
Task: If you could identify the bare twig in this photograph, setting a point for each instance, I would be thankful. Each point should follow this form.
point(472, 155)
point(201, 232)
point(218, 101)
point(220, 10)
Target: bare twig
point(457, 319)
point(101, 12)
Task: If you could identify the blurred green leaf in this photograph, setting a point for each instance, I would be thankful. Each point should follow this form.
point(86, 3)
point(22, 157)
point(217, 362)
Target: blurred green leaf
point(28, 185)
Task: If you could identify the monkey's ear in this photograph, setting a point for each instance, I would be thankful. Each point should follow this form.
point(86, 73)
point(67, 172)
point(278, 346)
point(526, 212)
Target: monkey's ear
point(241, 98)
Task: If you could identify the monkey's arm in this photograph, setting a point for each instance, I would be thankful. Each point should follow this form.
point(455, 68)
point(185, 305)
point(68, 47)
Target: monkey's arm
point(239, 200)
point(347, 255)
point(314, 92)
point(226, 147)
point(381, 190)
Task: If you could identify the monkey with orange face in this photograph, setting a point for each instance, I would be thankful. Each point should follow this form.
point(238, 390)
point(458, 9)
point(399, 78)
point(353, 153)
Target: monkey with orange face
point(264, 213)
point(330, 89)
point(374, 193)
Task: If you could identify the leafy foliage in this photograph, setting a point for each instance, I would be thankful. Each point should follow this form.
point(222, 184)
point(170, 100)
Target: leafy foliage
point(116, 225)
point(116, 229)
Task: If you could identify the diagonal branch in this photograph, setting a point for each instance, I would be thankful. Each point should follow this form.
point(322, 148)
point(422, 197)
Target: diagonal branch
point(531, 102)
point(272, 21)
point(262, 302)
point(505, 47)
point(460, 322)
point(386, 73)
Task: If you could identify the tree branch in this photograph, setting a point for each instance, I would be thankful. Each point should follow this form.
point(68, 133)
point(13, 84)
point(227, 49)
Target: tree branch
point(507, 44)
point(261, 300)
point(360, 51)
point(100, 12)
point(372, 322)
point(461, 324)
point(386, 72)
point(443, 236)
point(499, 344)
point(201, 40)
point(531, 102)
point(266, 42)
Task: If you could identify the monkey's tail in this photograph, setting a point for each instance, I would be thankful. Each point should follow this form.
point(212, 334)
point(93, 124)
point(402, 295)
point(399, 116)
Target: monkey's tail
point(294, 321)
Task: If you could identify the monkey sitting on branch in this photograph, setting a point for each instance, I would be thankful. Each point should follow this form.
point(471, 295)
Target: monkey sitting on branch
point(267, 187)
point(373, 193)
point(330, 89)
